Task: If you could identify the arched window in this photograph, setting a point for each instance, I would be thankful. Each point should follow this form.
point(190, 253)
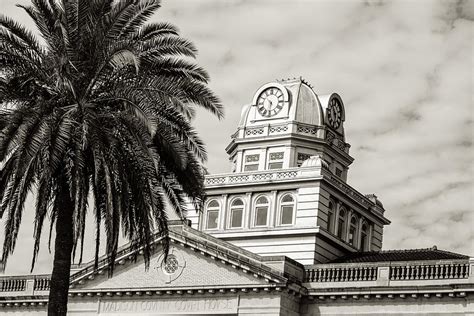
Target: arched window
point(353, 230)
point(236, 213)
point(212, 216)
point(261, 211)
point(287, 207)
point(341, 224)
point(330, 222)
point(364, 237)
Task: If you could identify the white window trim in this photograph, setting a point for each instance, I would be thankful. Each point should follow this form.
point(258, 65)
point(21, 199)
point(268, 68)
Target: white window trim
point(252, 163)
point(229, 219)
point(281, 160)
point(254, 211)
point(280, 209)
point(206, 218)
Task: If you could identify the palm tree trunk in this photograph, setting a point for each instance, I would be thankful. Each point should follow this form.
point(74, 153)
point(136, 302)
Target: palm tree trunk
point(63, 244)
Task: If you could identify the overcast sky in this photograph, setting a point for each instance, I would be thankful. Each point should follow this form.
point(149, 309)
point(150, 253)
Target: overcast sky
point(404, 70)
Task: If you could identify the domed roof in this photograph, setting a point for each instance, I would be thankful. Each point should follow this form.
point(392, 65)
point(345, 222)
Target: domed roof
point(374, 199)
point(315, 161)
point(301, 104)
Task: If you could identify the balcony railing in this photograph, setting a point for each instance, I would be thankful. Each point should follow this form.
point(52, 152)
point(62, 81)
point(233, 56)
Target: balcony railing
point(430, 271)
point(389, 273)
point(12, 285)
point(341, 274)
point(252, 177)
point(24, 285)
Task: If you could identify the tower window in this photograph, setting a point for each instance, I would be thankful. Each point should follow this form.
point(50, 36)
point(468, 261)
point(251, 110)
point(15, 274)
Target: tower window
point(275, 160)
point(341, 224)
point(236, 213)
point(261, 211)
point(330, 222)
point(212, 215)
point(338, 172)
point(251, 162)
point(364, 237)
point(287, 207)
point(301, 158)
point(353, 230)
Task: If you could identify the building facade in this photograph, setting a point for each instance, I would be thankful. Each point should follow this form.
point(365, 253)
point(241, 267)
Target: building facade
point(282, 233)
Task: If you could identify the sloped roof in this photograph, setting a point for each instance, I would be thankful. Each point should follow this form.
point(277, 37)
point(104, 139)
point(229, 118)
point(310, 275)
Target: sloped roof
point(400, 255)
point(207, 245)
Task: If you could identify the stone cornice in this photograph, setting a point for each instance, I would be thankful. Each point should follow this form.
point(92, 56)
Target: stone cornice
point(371, 292)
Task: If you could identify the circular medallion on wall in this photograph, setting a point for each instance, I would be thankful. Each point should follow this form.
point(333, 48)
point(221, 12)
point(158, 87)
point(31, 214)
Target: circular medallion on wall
point(173, 267)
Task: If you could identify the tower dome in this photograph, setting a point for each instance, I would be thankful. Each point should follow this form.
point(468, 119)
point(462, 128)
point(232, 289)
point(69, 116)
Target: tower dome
point(285, 124)
point(282, 101)
point(315, 161)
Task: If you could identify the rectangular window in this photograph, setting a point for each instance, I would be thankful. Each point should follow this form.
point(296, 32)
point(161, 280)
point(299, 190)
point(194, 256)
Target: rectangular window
point(340, 228)
point(275, 160)
point(261, 216)
point(251, 162)
point(212, 218)
point(302, 157)
point(338, 172)
point(287, 215)
point(330, 219)
point(236, 218)
point(352, 232)
point(363, 241)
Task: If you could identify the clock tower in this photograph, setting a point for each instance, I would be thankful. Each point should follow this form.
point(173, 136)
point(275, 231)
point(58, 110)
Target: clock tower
point(287, 123)
point(287, 191)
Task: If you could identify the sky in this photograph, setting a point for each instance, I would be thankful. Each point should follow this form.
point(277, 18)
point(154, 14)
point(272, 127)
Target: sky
point(404, 70)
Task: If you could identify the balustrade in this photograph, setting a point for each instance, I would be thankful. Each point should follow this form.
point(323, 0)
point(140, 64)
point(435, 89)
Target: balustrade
point(12, 285)
point(341, 274)
point(398, 271)
point(252, 177)
point(430, 271)
point(42, 284)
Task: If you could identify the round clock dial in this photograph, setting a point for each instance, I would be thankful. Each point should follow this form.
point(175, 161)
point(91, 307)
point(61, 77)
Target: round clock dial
point(334, 113)
point(270, 102)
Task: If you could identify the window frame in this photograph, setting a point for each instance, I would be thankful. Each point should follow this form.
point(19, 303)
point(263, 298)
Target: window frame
point(330, 221)
point(259, 205)
point(304, 156)
point(212, 209)
point(341, 233)
point(282, 204)
point(279, 160)
point(251, 163)
point(355, 225)
point(233, 207)
point(364, 246)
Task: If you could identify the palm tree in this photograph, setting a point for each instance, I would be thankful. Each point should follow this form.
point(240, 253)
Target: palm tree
point(101, 106)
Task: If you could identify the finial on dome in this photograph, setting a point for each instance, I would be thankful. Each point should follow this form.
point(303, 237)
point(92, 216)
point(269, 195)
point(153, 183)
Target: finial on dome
point(315, 161)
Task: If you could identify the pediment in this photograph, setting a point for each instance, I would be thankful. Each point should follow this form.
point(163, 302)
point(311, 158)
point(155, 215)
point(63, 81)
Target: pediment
point(195, 261)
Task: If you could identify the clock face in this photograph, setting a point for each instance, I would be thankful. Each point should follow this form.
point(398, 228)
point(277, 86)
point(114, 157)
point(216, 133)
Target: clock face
point(270, 102)
point(334, 113)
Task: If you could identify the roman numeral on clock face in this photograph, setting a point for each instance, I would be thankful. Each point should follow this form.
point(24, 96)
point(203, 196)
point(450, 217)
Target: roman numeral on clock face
point(270, 101)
